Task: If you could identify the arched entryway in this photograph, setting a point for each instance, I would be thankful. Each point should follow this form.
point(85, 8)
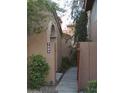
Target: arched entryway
point(52, 51)
point(53, 34)
point(53, 40)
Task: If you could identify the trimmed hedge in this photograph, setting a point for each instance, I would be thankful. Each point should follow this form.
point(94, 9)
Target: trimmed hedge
point(92, 87)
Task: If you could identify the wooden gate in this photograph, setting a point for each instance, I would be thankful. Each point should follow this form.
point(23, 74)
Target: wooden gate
point(78, 57)
point(87, 63)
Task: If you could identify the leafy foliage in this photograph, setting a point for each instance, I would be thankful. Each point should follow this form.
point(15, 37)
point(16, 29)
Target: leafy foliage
point(77, 6)
point(73, 56)
point(65, 65)
point(80, 19)
point(37, 71)
point(35, 16)
point(92, 87)
point(81, 27)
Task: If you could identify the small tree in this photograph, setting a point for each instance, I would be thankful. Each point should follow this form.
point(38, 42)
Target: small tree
point(76, 8)
point(81, 27)
point(35, 13)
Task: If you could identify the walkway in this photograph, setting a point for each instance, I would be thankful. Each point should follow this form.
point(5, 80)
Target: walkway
point(45, 89)
point(68, 84)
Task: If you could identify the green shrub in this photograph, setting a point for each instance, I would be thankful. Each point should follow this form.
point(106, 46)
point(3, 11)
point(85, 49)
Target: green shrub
point(92, 87)
point(65, 65)
point(37, 71)
point(73, 56)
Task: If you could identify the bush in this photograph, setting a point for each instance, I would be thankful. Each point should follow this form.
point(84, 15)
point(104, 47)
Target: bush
point(92, 87)
point(73, 56)
point(65, 65)
point(37, 71)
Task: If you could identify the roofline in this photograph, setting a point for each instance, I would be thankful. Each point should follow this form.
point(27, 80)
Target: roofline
point(57, 20)
point(88, 4)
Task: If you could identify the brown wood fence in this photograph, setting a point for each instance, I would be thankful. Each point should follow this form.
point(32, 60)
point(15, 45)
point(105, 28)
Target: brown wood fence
point(87, 63)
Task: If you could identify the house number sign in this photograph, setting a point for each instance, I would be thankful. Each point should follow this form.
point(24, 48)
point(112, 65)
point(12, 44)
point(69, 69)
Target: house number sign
point(48, 48)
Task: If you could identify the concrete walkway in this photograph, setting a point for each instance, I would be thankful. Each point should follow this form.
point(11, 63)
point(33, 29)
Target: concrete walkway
point(68, 84)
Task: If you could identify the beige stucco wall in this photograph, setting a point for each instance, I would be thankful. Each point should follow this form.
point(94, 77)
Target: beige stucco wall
point(57, 42)
point(59, 50)
point(52, 64)
point(37, 44)
point(55, 55)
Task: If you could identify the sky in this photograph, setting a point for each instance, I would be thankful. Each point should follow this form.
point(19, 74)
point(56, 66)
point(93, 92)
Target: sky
point(66, 17)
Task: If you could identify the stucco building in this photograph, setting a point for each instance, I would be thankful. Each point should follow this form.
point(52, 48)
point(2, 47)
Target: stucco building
point(47, 43)
point(71, 29)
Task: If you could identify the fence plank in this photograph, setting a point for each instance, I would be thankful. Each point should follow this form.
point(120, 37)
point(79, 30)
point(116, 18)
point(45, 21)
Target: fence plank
point(87, 63)
point(83, 65)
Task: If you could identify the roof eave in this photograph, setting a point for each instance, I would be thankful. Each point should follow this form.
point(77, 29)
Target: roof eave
point(88, 4)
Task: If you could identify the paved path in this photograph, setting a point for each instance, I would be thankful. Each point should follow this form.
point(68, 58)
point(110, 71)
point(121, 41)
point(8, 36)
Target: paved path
point(68, 84)
point(45, 89)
